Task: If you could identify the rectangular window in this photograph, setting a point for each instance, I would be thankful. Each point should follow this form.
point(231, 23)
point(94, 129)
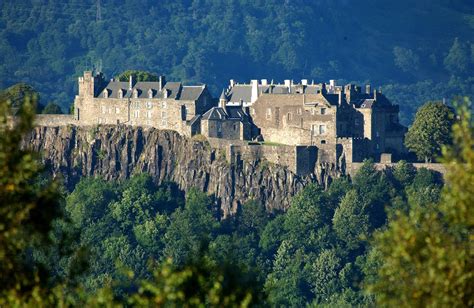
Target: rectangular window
point(164, 120)
point(299, 111)
point(269, 113)
point(148, 114)
point(323, 110)
point(322, 129)
point(148, 105)
point(137, 114)
point(117, 110)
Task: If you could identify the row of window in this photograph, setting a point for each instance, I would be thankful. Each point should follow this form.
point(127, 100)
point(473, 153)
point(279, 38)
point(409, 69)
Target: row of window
point(299, 111)
point(135, 105)
point(105, 94)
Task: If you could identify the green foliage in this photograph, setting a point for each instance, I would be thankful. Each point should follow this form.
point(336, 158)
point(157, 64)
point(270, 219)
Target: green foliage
point(137, 76)
point(406, 59)
point(28, 205)
point(457, 60)
point(17, 94)
point(426, 256)
point(198, 284)
point(51, 108)
point(430, 130)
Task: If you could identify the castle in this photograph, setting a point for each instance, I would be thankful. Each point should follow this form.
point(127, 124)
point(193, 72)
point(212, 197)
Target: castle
point(319, 123)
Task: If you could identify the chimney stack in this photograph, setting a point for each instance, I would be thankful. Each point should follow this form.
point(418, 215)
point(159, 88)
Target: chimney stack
point(340, 98)
point(304, 82)
point(130, 82)
point(368, 89)
point(254, 96)
point(232, 83)
point(161, 82)
point(264, 82)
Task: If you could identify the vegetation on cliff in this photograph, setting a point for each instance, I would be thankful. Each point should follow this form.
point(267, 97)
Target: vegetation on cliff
point(132, 242)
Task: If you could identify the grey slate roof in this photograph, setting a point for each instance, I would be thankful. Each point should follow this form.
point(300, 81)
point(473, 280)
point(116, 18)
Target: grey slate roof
point(243, 92)
point(215, 113)
point(230, 112)
point(191, 93)
point(176, 90)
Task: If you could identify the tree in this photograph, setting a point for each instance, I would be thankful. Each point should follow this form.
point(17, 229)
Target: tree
point(27, 210)
point(190, 229)
point(51, 108)
point(137, 75)
point(431, 130)
point(406, 59)
point(457, 60)
point(351, 222)
point(426, 255)
point(200, 283)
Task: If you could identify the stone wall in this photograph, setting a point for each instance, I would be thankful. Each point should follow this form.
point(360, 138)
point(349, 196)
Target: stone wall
point(382, 166)
point(295, 118)
point(52, 120)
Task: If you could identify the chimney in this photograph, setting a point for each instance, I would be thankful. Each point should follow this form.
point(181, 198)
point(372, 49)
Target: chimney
point(340, 98)
point(161, 82)
point(232, 83)
point(375, 94)
point(288, 83)
point(332, 84)
point(304, 82)
point(264, 82)
point(323, 88)
point(130, 82)
point(368, 89)
point(254, 96)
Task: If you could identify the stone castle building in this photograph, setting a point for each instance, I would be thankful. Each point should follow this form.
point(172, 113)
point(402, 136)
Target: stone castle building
point(339, 122)
point(161, 104)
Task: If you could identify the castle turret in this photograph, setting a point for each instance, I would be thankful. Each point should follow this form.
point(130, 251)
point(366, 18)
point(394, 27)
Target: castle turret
point(223, 100)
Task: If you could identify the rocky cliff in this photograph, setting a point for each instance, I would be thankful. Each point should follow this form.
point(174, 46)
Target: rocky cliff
point(117, 152)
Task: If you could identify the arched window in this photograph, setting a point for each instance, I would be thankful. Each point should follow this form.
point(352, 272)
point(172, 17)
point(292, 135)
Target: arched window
point(105, 94)
point(150, 93)
point(120, 93)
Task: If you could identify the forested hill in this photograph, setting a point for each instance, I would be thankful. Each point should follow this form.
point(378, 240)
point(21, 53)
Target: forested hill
point(406, 46)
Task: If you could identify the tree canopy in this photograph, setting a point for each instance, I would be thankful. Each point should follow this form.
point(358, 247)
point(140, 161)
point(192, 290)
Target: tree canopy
point(431, 130)
point(426, 254)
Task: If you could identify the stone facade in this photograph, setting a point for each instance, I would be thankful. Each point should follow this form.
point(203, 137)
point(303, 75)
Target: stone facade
point(322, 124)
point(163, 105)
point(322, 114)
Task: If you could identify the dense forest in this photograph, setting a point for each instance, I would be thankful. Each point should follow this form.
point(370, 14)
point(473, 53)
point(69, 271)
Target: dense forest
point(317, 252)
point(415, 50)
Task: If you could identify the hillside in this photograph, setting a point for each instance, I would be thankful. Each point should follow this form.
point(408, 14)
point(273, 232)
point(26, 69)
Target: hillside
point(400, 45)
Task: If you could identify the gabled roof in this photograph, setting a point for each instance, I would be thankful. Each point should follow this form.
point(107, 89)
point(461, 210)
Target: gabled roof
point(175, 90)
point(191, 93)
point(229, 113)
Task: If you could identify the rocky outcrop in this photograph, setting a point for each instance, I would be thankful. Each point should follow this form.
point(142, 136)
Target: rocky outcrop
point(117, 152)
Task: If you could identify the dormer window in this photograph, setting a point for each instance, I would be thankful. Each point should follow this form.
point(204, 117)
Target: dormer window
point(165, 93)
point(105, 94)
point(120, 93)
point(135, 93)
point(150, 93)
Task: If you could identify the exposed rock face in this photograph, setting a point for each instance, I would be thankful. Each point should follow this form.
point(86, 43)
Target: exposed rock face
point(117, 152)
